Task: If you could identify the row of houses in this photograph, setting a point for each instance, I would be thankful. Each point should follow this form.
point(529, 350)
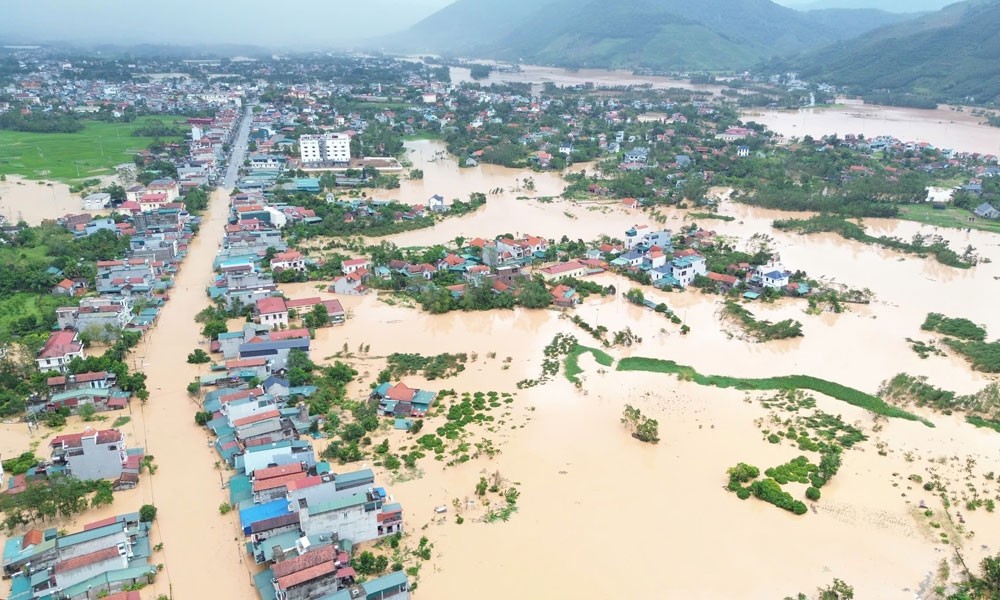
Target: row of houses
point(107, 559)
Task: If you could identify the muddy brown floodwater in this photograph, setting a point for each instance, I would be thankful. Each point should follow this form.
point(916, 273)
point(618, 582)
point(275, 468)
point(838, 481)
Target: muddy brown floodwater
point(943, 127)
point(600, 514)
point(204, 554)
point(35, 201)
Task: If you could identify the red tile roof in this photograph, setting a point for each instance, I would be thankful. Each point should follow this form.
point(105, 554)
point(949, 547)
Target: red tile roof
point(60, 343)
point(32, 538)
point(288, 334)
point(303, 302)
point(246, 362)
point(101, 523)
point(304, 561)
point(271, 305)
point(75, 440)
point(306, 575)
point(562, 267)
point(401, 392)
point(269, 472)
point(271, 483)
point(261, 416)
point(84, 560)
point(299, 484)
point(728, 279)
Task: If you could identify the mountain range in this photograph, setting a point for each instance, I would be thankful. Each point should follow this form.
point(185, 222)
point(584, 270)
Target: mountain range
point(949, 55)
point(657, 34)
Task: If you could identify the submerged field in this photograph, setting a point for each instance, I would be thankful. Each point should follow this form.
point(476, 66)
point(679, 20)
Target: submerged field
point(71, 156)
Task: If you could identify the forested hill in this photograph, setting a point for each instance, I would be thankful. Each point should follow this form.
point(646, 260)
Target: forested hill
point(952, 55)
point(658, 34)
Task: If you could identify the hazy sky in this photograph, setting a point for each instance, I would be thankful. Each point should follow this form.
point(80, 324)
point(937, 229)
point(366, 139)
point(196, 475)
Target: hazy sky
point(300, 23)
point(305, 24)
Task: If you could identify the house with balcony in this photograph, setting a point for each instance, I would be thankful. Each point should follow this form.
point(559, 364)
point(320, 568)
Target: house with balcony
point(90, 454)
point(58, 351)
point(685, 268)
point(272, 312)
point(291, 260)
point(100, 316)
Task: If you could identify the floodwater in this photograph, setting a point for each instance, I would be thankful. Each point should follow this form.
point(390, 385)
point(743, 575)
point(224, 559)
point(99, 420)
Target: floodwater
point(538, 76)
point(662, 523)
point(444, 177)
point(36, 201)
point(513, 210)
point(202, 551)
point(944, 127)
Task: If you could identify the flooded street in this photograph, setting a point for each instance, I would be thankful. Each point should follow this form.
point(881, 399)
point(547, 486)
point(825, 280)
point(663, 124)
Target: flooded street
point(943, 127)
point(204, 554)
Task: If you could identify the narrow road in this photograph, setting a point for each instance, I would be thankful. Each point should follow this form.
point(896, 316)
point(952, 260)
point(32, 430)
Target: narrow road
point(202, 551)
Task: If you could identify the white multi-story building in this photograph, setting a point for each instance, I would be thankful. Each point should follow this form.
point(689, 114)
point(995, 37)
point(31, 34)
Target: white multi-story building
point(328, 148)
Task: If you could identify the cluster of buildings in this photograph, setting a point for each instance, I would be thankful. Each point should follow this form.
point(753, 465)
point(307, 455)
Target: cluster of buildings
point(300, 519)
point(47, 83)
point(88, 455)
point(107, 559)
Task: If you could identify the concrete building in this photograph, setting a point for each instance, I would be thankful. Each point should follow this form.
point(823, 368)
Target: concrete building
point(96, 315)
point(90, 454)
point(97, 201)
point(685, 268)
point(572, 268)
point(291, 260)
point(328, 149)
point(272, 312)
point(58, 351)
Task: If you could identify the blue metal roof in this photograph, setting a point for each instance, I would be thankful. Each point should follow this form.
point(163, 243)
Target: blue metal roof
point(261, 512)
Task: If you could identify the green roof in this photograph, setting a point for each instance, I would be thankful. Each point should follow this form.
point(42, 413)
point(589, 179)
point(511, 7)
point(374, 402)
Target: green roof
point(340, 503)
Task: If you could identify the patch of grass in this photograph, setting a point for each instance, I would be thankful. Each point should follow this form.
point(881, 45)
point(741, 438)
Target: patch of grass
point(707, 215)
point(21, 305)
point(785, 382)
point(954, 326)
point(121, 421)
point(981, 422)
point(761, 331)
point(73, 156)
point(951, 216)
point(573, 361)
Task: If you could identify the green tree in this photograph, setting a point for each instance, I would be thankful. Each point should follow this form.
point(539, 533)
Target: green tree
point(86, 412)
point(317, 317)
point(214, 328)
point(534, 294)
point(198, 357)
point(147, 513)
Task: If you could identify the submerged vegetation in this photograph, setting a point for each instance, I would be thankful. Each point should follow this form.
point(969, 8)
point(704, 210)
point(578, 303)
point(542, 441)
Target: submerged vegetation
point(982, 408)
point(919, 245)
point(642, 427)
point(439, 366)
point(785, 382)
point(572, 365)
point(761, 331)
point(967, 339)
point(955, 327)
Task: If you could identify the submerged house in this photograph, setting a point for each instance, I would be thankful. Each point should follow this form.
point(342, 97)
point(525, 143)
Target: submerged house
point(402, 400)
